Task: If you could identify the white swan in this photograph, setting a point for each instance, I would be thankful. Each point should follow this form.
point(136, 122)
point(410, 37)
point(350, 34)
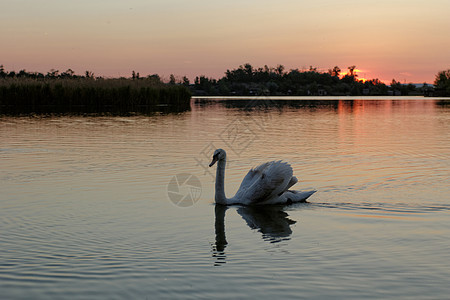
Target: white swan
point(268, 183)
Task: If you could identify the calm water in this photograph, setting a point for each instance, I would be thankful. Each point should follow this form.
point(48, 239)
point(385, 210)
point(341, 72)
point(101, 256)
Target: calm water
point(85, 211)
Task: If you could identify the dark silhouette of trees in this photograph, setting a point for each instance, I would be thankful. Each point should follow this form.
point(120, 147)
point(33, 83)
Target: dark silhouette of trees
point(266, 80)
point(400, 89)
point(351, 69)
point(442, 83)
point(172, 79)
point(248, 80)
point(66, 92)
point(395, 84)
point(280, 69)
point(154, 79)
point(205, 86)
point(185, 81)
point(69, 73)
point(2, 72)
point(52, 73)
point(335, 71)
point(351, 77)
point(89, 74)
point(135, 75)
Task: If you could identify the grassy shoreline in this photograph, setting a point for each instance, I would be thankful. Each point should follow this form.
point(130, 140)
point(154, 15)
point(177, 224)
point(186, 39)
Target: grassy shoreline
point(89, 95)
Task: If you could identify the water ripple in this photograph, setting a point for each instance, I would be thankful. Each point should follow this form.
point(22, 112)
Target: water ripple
point(386, 208)
point(84, 211)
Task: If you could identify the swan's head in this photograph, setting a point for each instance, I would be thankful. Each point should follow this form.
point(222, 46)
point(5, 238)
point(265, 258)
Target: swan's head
point(219, 154)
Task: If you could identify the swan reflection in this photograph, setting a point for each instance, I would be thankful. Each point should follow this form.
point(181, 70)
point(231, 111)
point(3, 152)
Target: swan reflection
point(271, 221)
point(221, 241)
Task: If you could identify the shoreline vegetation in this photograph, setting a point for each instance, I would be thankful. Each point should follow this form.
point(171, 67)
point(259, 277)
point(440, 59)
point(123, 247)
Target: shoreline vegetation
point(59, 93)
point(249, 81)
point(67, 93)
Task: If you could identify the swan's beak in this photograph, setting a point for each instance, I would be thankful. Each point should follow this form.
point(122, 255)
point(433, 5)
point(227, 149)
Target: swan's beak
point(215, 159)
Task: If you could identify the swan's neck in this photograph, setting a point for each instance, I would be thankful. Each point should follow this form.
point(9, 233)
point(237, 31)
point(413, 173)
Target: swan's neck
point(220, 183)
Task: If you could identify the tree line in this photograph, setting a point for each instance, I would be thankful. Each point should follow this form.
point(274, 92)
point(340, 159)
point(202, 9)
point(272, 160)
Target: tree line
point(68, 74)
point(248, 80)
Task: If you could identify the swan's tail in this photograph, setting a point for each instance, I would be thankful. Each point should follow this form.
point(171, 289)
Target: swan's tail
point(298, 196)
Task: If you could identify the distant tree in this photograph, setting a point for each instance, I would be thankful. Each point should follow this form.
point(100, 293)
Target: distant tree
point(348, 79)
point(154, 76)
point(396, 85)
point(52, 73)
point(375, 87)
point(37, 75)
point(69, 73)
point(244, 73)
point(22, 73)
point(442, 83)
point(404, 89)
point(89, 74)
point(248, 68)
point(442, 79)
point(172, 79)
point(351, 70)
point(2, 71)
point(205, 84)
point(133, 75)
point(336, 71)
point(375, 81)
point(186, 81)
point(280, 69)
point(426, 89)
point(312, 69)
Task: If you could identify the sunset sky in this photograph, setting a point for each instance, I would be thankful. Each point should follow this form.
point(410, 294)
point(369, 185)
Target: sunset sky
point(408, 40)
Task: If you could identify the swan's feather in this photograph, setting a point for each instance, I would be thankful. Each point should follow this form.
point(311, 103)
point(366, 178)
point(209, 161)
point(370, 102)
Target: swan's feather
point(265, 182)
point(291, 196)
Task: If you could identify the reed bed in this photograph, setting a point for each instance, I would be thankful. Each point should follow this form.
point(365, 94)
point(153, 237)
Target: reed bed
point(88, 95)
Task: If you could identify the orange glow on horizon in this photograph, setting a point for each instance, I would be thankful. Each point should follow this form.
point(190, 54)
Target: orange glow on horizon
point(357, 73)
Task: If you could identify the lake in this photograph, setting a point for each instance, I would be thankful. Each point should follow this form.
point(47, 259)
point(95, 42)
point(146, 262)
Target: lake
point(123, 207)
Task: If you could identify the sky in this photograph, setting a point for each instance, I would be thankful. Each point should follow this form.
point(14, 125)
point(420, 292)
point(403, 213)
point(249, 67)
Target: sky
point(406, 40)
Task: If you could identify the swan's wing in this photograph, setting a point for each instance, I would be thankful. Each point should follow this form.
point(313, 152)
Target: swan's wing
point(252, 176)
point(293, 181)
point(264, 182)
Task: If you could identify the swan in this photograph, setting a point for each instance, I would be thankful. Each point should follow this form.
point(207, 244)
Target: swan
point(266, 184)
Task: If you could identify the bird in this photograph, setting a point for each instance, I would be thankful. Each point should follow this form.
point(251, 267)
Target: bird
point(267, 184)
